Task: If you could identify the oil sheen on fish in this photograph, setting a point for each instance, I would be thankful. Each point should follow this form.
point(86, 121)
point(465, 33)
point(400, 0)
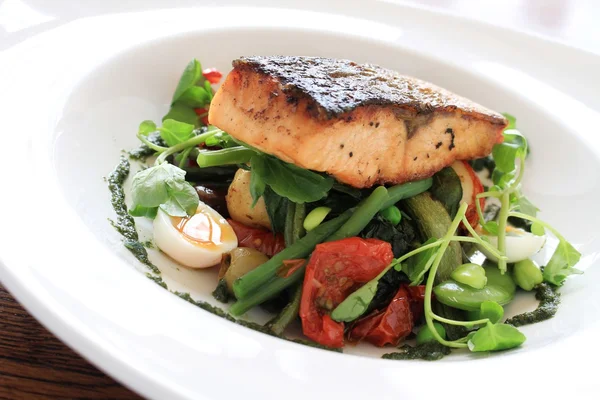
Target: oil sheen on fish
point(361, 123)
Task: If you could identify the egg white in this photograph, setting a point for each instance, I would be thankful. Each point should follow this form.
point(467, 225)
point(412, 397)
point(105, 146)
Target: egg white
point(191, 253)
point(520, 245)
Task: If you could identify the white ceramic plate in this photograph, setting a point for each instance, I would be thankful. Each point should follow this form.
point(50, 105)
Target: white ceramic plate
point(73, 95)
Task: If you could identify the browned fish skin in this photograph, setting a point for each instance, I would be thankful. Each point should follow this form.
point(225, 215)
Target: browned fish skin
point(361, 123)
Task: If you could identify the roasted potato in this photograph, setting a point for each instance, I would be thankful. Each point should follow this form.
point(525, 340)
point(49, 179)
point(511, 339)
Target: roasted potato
point(239, 202)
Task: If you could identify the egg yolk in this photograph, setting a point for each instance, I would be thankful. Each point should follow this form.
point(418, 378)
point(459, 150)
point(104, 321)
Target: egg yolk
point(202, 229)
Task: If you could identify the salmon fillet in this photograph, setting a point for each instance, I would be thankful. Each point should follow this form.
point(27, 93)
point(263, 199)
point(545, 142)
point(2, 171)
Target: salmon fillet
point(361, 123)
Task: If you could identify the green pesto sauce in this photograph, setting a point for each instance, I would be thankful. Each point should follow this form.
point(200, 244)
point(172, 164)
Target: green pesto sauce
point(124, 223)
point(430, 351)
point(221, 292)
point(549, 298)
point(142, 152)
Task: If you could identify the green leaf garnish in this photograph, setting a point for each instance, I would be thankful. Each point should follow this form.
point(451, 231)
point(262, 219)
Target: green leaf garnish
point(146, 128)
point(175, 132)
point(182, 113)
point(195, 97)
point(494, 337)
point(140, 211)
point(190, 77)
point(163, 186)
point(297, 184)
point(561, 264)
point(492, 311)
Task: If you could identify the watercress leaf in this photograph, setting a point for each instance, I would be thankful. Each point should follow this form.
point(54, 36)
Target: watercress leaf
point(494, 337)
point(514, 146)
point(174, 132)
point(221, 139)
point(209, 90)
point(192, 74)
point(356, 304)
point(276, 209)
point(561, 263)
point(492, 311)
point(257, 184)
point(140, 211)
point(512, 121)
point(297, 184)
point(182, 113)
point(416, 266)
point(146, 128)
point(491, 227)
point(163, 185)
point(195, 97)
point(148, 188)
point(502, 179)
point(349, 190)
point(183, 194)
point(173, 208)
point(526, 206)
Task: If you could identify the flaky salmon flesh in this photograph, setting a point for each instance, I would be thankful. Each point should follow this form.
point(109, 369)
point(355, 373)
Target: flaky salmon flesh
point(361, 123)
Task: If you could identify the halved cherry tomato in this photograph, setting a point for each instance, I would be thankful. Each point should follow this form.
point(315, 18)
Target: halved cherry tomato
point(393, 324)
point(212, 75)
point(416, 296)
point(260, 239)
point(203, 114)
point(334, 271)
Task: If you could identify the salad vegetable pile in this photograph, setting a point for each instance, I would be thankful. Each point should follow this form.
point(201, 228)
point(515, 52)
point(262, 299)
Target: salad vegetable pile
point(433, 260)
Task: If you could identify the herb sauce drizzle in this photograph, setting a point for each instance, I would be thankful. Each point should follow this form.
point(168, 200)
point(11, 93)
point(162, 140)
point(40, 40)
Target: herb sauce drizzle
point(549, 298)
point(125, 224)
point(430, 351)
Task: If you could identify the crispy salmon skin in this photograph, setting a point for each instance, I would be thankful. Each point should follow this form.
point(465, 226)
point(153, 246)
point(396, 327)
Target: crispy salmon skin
point(361, 123)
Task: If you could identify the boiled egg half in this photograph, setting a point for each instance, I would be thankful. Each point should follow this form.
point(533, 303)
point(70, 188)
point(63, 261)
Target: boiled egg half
point(520, 245)
point(198, 241)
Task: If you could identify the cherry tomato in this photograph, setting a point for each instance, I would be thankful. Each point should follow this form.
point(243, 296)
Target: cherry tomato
point(334, 271)
point(203, 114)
point(260, 239)
point(416, 296)
point(393, 324)
point(212, 75)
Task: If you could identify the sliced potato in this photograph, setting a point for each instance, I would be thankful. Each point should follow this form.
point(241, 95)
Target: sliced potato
point(241, 261)
point(239, 202)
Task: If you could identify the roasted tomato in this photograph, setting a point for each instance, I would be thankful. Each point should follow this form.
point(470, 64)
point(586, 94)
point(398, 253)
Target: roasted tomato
point(393, 324)
point(256, 238)
point(334, 271)
point(203, 114)
point(212, 75)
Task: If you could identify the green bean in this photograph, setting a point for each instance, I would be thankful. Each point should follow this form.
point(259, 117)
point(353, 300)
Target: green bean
point(294, 219)
point(254, 280)
point(363, 214)
point(288, 314)
point(315, 217)
point(267, 291)
point(406, 190)
point(232, 155)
